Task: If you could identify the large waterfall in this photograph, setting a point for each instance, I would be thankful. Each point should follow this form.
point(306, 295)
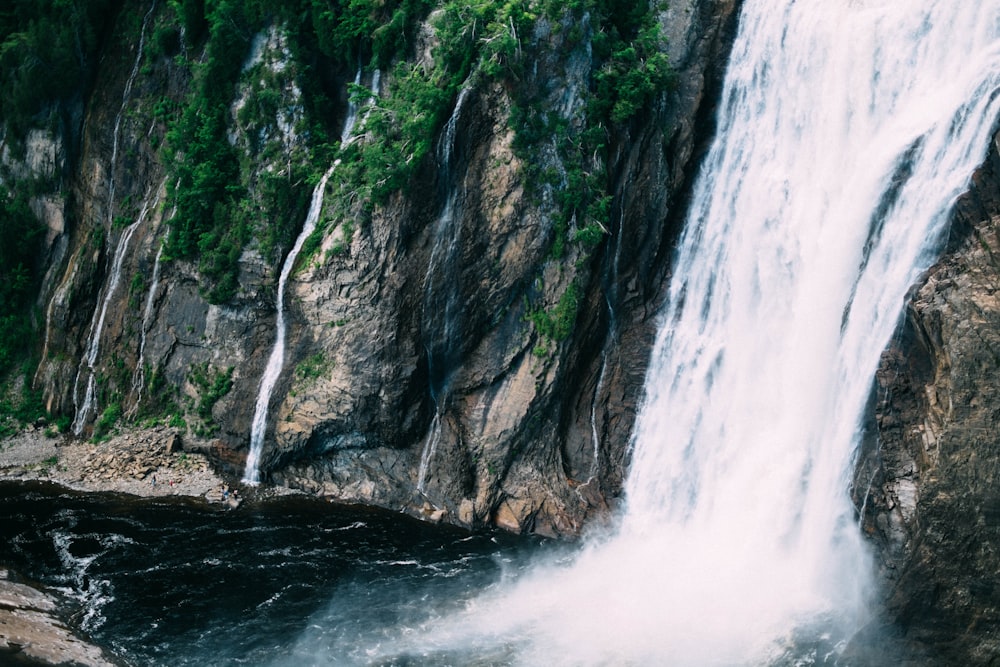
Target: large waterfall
point(846, 131)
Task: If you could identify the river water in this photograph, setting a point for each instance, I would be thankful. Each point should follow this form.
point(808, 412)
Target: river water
point(291, 581)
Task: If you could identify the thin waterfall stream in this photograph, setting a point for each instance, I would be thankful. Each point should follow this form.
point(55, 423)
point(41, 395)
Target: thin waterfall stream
point(845, 133)
point(441, 307)
point(276, 360)
point(97, 321)
point(85, 409)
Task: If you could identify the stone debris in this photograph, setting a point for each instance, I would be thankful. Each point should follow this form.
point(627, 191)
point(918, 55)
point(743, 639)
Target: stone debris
point(147, 462)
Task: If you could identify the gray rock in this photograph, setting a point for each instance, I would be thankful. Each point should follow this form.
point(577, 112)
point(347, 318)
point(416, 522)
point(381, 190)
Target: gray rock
point(32, 633)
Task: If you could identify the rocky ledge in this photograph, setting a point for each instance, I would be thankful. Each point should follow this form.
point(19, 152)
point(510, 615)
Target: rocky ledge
point(31, 633)
point(148, 462)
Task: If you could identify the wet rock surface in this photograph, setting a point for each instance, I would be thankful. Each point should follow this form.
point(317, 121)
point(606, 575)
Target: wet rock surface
point(32, 633)
point(413, 375)
point(927, 480)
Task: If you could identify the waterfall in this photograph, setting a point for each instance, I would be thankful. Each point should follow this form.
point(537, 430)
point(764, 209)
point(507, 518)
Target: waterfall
point(89, 362)
point(441, 297)
point(846, 131)
point(139, 375)
point(97, 322)
point(126, 93)
point(276, 361)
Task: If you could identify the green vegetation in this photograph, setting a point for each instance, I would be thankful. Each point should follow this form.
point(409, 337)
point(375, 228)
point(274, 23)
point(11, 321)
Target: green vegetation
point(21, 404)
point(221, 204)
point(312, 368)
point(47, 48)
point(21, 236)
point(212, 384)
point(252, 191)
point(106, 422)
point(556, 325)
point(629, 70)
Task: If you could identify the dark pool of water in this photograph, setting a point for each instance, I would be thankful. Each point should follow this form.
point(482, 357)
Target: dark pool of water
point(285, 582)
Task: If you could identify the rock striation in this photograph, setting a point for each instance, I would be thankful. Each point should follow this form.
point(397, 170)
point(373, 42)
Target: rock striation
point(415, 377)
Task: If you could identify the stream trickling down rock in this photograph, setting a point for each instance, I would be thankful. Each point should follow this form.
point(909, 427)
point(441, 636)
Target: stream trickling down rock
point(846, 132)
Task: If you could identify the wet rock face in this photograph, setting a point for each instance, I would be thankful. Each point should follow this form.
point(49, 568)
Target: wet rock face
point(413, 377)
point(929, 477)
point(490, 430)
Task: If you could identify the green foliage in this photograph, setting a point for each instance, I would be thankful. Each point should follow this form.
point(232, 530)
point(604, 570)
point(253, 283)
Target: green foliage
point(136, 288)
point(474, 39)
point(21, 236)
point(354, 30)
point(212, 385)
point(106, 422)
point(557, 324)
point(591, 235)
point(633, 73)
point(48, 50)
point(402, 127)
point(205, 187)
point(630, 70)
point(484, 34)
point(312, 368)
point(192, 16)
point(159, 404)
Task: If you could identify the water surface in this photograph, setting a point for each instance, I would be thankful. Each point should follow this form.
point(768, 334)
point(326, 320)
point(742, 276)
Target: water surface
point(291, 581)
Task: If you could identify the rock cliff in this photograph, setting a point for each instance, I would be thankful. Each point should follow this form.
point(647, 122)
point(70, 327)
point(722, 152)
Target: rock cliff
point(469, 344)
point(926, 480)
point(468, 329)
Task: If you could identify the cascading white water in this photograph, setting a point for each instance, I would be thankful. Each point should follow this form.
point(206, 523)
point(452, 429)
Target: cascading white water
point(126, 93)
point(97, 322)
point(846, 132)
point(88, 365)
point(440, 297)
point(139, 376)
point(276, 361)
point(258, 428)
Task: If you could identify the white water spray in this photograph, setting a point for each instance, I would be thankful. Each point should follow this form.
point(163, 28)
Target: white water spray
point(275, 363)
point(846, 132)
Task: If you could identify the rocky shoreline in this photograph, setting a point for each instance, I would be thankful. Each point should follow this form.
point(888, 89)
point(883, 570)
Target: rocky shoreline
point(148, 463)
point(31, 632)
